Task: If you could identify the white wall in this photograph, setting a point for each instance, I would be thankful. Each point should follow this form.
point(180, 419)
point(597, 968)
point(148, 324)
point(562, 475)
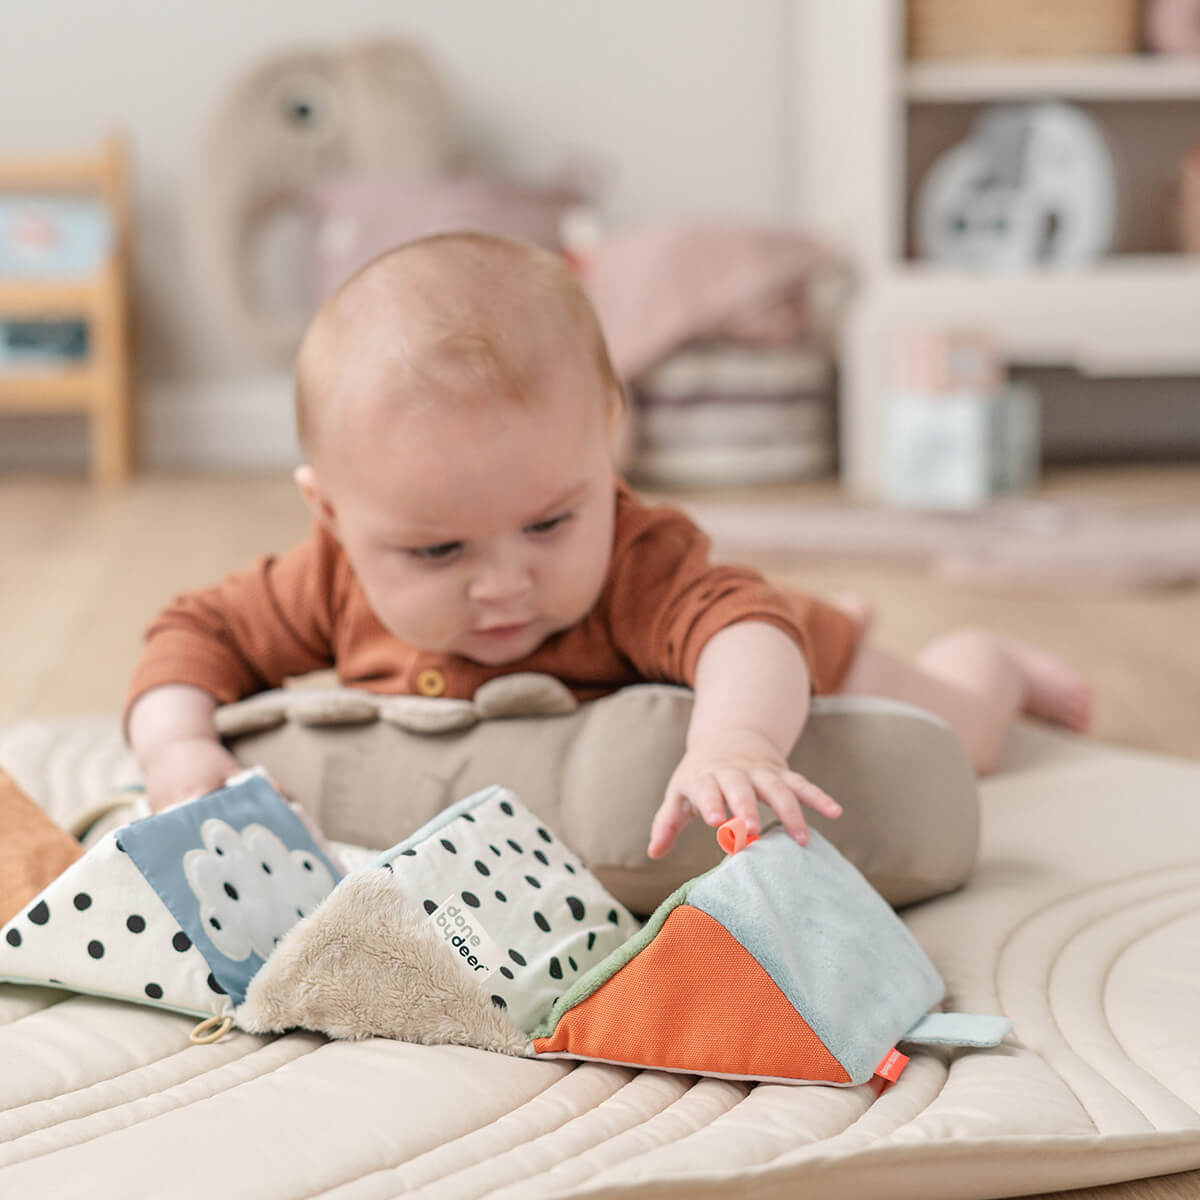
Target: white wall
point(682, 103)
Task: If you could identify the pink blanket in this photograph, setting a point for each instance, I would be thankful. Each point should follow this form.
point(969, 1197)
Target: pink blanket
point(658, 288)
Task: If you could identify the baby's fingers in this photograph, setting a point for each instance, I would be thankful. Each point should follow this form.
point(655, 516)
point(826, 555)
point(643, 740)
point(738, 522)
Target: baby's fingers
point(808, 793)
point(782, 800)
point(673, 814)
point(738, 791)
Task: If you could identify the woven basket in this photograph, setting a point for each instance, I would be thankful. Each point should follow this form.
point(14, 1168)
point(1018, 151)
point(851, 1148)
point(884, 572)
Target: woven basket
point(1021, 28)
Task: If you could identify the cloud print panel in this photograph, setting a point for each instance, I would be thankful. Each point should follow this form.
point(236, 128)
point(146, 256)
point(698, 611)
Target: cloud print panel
point(251, 888)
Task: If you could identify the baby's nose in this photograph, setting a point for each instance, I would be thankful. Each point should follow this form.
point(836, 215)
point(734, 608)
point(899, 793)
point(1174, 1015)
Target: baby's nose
point(500, 582)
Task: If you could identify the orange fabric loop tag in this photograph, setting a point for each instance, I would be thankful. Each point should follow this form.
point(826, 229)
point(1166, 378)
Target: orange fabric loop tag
point(734, 836)
point(893, 1063)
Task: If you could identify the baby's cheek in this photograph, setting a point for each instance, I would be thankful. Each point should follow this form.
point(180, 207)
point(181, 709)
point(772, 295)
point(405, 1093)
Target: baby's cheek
point(427, 618)
point(583, 580)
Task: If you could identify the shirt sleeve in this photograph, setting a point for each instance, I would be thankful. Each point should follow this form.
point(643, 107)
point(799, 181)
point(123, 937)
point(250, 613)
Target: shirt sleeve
point(252, 630)
point(668, 600)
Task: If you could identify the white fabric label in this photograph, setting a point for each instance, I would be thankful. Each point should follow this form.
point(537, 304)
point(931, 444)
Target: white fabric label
point(460, 928)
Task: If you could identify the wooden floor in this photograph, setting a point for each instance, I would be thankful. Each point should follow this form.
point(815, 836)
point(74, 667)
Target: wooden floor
point(82, 571)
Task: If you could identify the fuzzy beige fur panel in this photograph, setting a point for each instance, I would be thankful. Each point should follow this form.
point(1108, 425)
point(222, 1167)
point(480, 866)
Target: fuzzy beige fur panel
point(366, 964)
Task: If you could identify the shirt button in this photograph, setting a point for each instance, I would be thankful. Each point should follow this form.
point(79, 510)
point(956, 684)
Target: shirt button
point(431, 682)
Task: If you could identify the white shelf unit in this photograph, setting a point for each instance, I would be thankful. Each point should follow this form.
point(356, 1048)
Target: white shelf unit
point(857, 96)
point(1137, 77)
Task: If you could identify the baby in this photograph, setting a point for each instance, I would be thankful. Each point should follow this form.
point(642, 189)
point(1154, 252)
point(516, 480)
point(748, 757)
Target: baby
point(459, 413)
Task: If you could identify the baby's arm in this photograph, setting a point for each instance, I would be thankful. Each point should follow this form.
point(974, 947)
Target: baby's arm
point(752, 699)
point(216, 645)
point(173, 738)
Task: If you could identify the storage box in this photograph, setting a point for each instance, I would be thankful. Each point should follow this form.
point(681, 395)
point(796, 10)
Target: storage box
point(957, 451)
point(1021, 28)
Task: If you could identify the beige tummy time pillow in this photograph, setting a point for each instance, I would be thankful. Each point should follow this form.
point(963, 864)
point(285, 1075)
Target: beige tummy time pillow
point(372, 769)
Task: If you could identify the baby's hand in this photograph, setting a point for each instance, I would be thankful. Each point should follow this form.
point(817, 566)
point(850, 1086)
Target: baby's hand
point(727, 777)
point(183, 769)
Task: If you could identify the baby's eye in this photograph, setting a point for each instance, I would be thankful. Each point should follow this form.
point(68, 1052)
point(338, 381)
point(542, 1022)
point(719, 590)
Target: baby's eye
point(549, 524)
point(436, 554)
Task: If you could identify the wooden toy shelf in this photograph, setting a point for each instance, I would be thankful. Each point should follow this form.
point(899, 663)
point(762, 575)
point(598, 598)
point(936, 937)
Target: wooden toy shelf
point(99, 385)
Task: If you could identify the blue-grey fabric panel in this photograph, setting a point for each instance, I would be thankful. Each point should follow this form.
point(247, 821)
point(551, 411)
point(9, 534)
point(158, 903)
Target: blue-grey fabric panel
point(157, 846)
point(830, 942)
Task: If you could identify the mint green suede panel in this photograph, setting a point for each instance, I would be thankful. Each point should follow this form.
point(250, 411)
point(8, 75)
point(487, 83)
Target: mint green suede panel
point(828, 940)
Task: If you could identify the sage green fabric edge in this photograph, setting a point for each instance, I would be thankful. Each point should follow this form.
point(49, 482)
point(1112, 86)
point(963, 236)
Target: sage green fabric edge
point(606, 968)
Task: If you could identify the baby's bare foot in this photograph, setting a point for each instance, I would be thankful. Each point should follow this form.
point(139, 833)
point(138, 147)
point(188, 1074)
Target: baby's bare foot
point(1054, 690)
point(857, 607)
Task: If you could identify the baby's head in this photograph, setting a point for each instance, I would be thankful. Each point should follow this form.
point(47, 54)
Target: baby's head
point(459, 411)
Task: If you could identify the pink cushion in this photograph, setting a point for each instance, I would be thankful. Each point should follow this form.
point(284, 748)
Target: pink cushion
point(358, 216)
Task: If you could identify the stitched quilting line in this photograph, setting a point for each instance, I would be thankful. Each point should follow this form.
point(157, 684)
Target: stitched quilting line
point(631, 1129)
point(1104, 1012)
point(63, 994)
point(548, 1170)
point(1068, 1042)
point(1049, 907)
point(105, 1078)
point(548, 1131)
point(137, 1099)
point(751, 1089)
point(767, 1163)
point(511, 1115)
point(875, 1139)
point(613, 1099)
point(1068, 897)
point(568, 1118)
point(174, 1107)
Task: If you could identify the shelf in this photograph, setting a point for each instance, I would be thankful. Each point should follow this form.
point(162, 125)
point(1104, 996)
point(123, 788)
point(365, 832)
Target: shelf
point(1123, 316)
point(28, 299)
point(1123, 270)
point(54, 389)
point(1135, 77)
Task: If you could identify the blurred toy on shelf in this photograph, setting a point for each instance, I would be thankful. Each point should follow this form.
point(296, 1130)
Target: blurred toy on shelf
point(1173, 26)
point(958, 433)
point(1032, 185)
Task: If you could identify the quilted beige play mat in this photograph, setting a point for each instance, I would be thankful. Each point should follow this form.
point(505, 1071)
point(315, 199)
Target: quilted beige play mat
point(1081, 924)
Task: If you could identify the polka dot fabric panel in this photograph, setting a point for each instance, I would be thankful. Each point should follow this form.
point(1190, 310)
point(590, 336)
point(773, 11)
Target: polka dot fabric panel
point(512, 901)
point(101, 928)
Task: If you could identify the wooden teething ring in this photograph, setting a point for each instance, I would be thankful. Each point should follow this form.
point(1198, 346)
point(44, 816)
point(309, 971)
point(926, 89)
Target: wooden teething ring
point(211, 1029)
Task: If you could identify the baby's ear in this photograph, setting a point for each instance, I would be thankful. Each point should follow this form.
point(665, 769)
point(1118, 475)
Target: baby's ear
point(314, 497)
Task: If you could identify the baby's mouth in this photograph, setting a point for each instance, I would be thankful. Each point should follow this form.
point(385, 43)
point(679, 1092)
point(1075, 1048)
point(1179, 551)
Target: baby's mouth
point(502, 631)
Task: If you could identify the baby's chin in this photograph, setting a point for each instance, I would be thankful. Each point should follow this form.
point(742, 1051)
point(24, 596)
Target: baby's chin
point(501, 654)
point(508, 650)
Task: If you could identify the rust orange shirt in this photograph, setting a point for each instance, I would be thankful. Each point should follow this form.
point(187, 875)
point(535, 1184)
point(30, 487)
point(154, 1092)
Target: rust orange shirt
point(305, 610)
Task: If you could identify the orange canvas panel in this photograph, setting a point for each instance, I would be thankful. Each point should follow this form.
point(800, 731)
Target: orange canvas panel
point(33, 850)
point(695, 1000)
